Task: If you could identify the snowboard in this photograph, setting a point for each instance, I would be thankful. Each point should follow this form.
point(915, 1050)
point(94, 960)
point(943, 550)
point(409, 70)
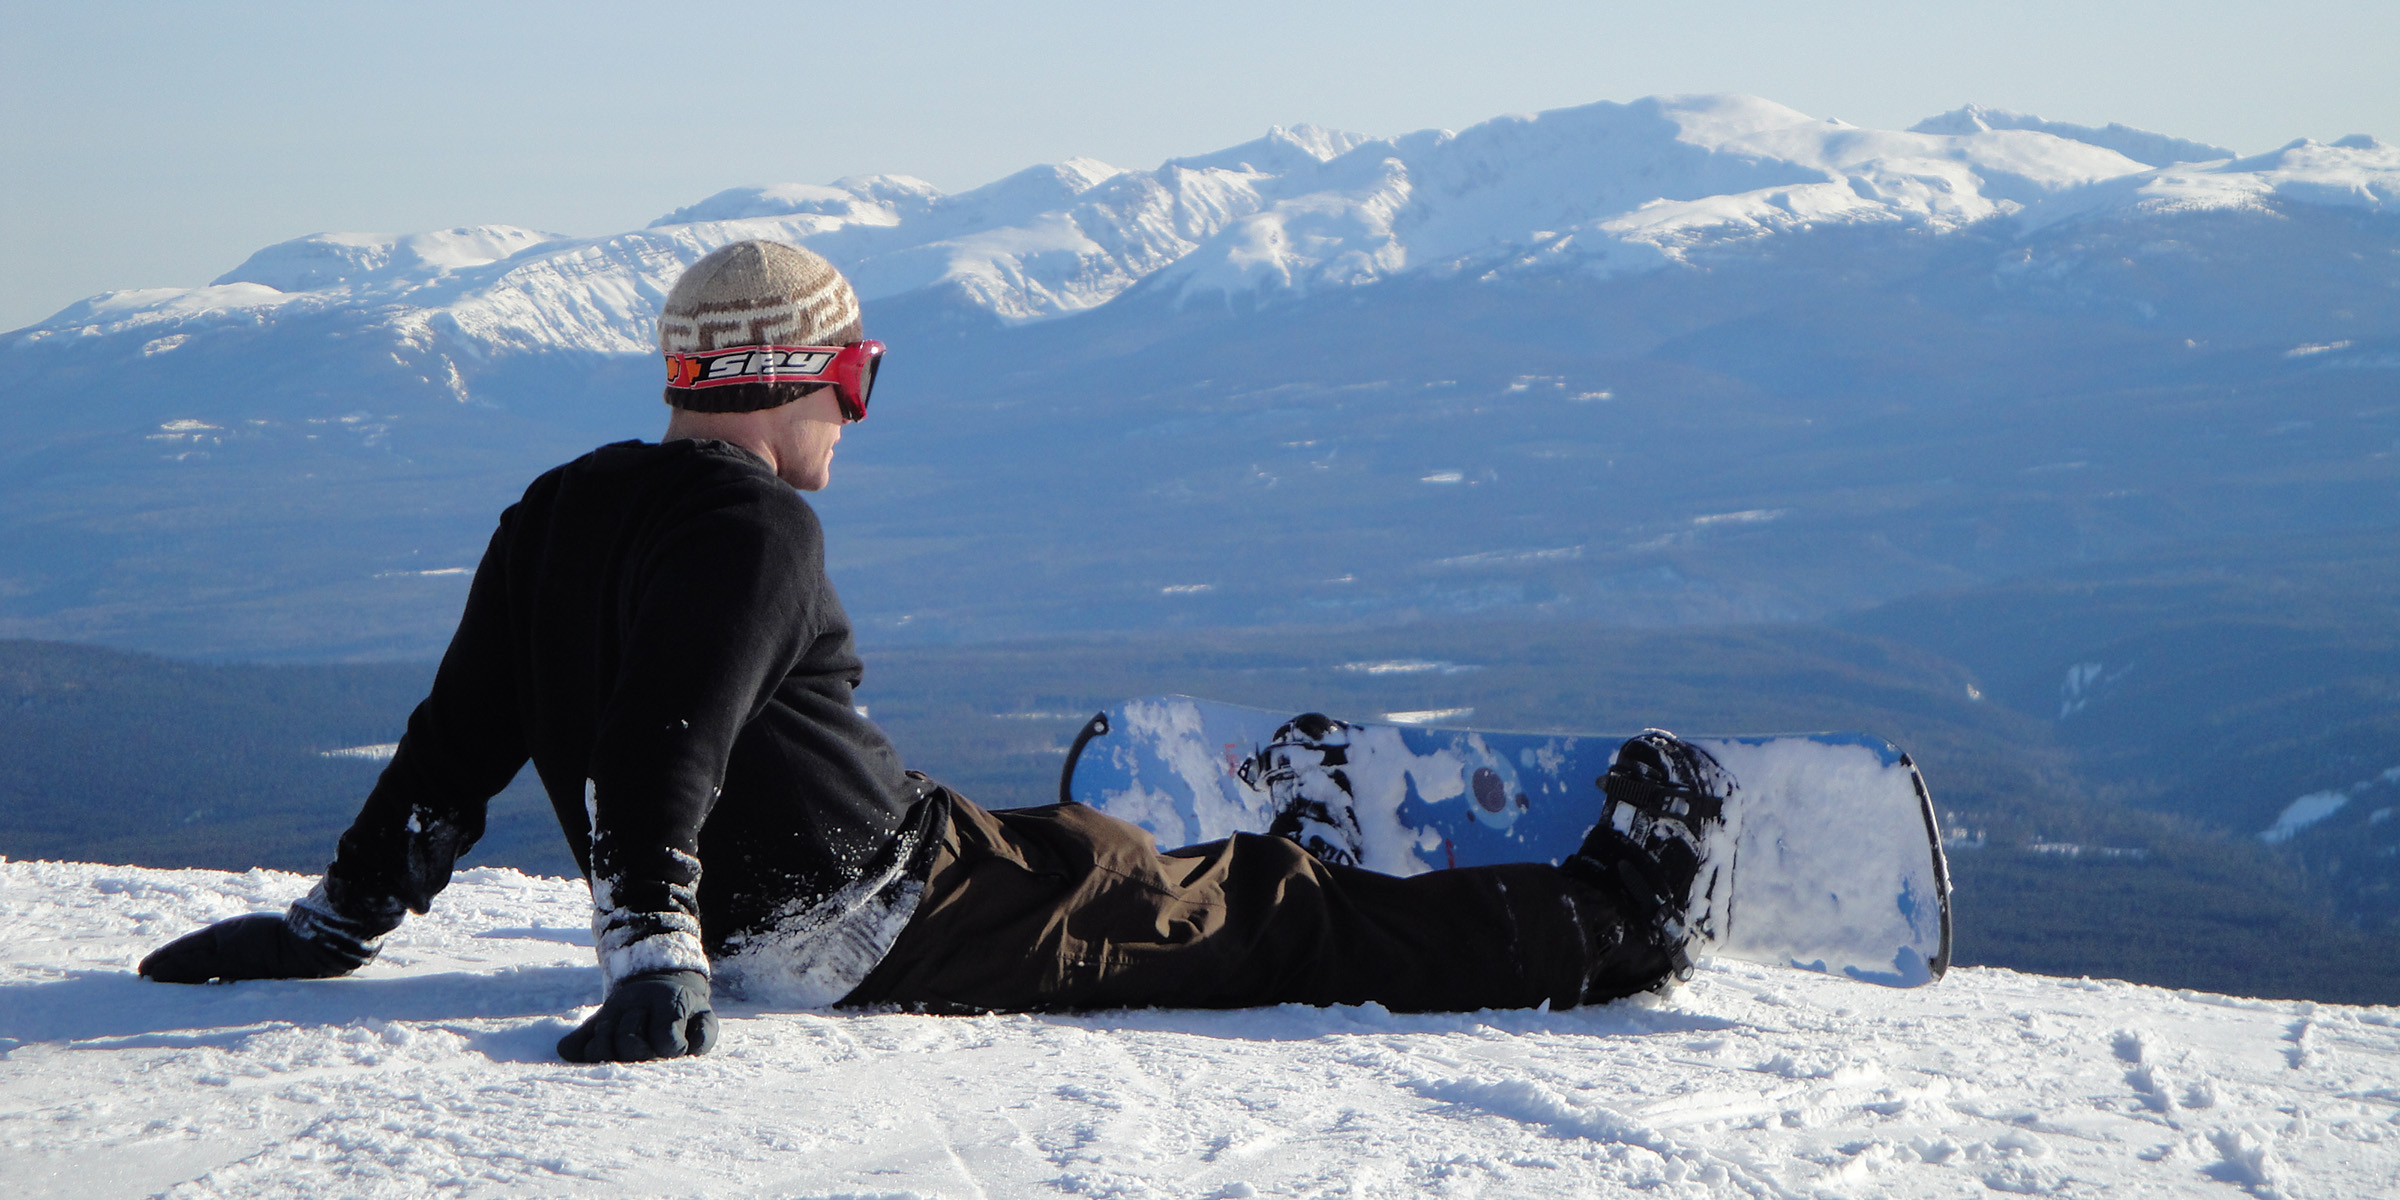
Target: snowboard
point(1836, 861)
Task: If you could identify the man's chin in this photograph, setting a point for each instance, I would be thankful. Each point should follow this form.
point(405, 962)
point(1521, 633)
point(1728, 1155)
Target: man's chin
point(811, 483)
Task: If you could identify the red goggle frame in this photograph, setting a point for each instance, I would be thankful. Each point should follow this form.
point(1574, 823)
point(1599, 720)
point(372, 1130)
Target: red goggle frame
point(850, 369)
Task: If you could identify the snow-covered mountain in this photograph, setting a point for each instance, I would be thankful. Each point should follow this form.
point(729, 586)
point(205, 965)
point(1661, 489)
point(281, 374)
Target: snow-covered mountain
point(2140, 145)
point(1505, 370)
point(1604, 188)
point(432, 1072)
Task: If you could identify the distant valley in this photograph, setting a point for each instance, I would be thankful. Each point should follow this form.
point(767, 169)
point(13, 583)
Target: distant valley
point(1692, 359)
point(2122, 840)
point(2065, 456)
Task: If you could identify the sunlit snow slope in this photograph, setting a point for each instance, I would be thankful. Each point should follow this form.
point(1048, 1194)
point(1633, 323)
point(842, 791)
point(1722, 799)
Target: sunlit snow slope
point(431, 1073)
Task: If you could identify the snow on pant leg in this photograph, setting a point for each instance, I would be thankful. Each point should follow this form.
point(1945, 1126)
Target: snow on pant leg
point(1065, 907)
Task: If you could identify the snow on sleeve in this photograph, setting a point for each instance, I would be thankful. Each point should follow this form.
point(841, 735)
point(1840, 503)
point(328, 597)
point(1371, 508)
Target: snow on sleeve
point(630, 942)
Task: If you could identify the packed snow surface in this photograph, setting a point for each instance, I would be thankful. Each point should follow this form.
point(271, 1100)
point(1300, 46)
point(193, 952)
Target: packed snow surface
point(431, 1073)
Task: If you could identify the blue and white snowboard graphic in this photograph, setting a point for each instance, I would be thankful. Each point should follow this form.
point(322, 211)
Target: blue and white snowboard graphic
point(1837, 865)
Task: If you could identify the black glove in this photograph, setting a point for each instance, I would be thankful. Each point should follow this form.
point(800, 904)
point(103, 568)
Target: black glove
point(656, 1014)
point(258, 946)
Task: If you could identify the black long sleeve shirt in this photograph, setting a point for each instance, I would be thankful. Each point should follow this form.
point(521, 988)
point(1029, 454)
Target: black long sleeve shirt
point(653, 627)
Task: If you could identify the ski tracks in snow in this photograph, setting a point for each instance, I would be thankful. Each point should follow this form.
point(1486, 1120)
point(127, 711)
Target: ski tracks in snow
point(431, 1073)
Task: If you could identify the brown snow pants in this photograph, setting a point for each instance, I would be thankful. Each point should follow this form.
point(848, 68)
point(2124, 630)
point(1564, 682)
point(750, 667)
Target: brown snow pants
point(1065, 907)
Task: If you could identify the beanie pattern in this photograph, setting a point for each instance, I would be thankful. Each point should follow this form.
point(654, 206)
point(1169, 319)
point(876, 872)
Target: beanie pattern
point(755, 294)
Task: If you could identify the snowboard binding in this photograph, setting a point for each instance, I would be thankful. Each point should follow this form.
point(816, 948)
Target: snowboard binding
point(1302, 770)
point(1665, 798)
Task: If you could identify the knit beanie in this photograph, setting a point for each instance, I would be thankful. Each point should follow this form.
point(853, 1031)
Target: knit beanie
point(755, 294)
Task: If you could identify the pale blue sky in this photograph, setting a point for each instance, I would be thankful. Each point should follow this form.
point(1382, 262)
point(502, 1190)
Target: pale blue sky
point(157, 144)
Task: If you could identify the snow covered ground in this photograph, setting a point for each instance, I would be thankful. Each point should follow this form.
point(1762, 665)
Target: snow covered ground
point(431, 1073)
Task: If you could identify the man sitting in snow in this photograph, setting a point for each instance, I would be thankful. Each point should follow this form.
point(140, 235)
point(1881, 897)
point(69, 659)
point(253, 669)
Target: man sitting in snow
point(652, 626)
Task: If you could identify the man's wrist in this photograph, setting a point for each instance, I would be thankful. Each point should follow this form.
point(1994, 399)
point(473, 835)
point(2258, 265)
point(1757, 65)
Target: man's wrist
point(629, 944)
point(341, 929)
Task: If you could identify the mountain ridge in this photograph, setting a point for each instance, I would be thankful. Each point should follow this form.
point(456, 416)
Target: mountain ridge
point(1636, 187)
point(1887, 337)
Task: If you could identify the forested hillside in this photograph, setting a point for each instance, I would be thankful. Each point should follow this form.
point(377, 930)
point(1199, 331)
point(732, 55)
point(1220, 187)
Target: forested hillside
point(2062, 866)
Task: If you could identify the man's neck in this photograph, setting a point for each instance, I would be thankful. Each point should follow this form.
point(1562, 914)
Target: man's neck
point(740, 429)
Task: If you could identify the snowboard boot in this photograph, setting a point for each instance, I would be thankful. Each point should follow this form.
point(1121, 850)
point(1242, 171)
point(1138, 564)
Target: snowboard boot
point(1303, 770)
point(1655, 844)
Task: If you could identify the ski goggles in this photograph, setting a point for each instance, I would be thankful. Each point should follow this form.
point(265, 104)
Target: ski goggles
point(849, 369)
